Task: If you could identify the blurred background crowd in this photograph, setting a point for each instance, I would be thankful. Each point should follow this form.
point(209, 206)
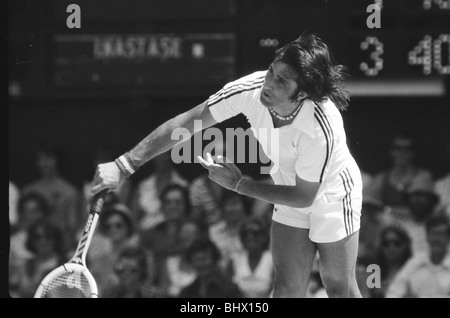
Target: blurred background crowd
point(78, 97)
point(167, 236)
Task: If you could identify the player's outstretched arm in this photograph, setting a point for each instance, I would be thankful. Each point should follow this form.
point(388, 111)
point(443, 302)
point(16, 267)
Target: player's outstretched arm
point(160, 140)
point(110, 175)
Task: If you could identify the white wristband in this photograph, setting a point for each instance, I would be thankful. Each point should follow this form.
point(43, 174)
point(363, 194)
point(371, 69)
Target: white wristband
point(127, 167)
point(237, 184)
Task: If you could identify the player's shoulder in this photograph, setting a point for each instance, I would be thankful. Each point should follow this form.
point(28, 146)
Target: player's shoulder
point(327, 113)
point(327, 121)
point(254, 78)
point(327, 107)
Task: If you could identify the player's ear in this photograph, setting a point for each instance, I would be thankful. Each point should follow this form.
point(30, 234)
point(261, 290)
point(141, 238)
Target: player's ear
point(300, 95)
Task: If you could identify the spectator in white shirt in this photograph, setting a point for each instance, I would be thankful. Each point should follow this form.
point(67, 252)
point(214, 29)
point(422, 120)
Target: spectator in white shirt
point(427, 276)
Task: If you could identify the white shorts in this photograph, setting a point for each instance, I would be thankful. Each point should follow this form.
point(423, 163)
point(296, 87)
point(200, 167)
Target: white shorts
point(335, 213)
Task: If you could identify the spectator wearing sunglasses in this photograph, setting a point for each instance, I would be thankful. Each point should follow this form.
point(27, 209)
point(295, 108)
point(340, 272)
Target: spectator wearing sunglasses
point(393, 253)
point(427, 275)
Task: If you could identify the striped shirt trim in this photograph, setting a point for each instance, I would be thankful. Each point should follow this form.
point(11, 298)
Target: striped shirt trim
point(228, 92)
point(329, 136)
point(348, 184)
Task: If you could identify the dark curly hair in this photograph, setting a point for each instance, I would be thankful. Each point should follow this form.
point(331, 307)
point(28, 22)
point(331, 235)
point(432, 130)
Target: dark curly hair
point(318, 76)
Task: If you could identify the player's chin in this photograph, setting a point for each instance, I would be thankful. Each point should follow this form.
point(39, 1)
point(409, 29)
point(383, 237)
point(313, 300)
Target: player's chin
point(264, 100)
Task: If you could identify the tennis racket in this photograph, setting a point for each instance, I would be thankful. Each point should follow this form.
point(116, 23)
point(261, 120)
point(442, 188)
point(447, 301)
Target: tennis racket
point(73, 279)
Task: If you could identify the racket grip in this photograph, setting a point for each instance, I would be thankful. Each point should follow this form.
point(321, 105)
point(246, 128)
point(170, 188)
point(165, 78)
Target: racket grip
point(97, 202)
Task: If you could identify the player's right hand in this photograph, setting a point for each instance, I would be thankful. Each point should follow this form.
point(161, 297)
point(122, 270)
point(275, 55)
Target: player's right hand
point(107, 176)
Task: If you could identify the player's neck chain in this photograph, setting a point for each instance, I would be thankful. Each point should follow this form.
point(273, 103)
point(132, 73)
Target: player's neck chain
point(289, 117)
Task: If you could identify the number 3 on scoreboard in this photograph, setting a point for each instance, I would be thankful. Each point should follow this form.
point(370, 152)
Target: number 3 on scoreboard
point(375, 56)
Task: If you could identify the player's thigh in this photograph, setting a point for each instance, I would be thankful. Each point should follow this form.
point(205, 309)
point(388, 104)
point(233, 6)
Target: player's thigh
point(338, 259)
point(292, 250)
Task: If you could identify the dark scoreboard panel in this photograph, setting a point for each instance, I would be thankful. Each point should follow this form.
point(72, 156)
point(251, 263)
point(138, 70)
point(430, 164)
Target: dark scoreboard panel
point(146, 11)
point(154, 47)
point(156, 63)
point(408, 54)
point(196, 46)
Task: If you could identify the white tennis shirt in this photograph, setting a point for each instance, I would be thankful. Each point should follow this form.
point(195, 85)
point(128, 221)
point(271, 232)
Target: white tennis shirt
point(313, 146)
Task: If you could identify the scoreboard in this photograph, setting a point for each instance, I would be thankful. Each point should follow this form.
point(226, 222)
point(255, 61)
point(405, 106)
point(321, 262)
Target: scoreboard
point(178, 47)
point(156, 63)
point(408, 54)
point(144, 47)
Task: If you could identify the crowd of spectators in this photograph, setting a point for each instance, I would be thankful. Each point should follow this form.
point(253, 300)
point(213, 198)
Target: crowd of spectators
point(171, 237)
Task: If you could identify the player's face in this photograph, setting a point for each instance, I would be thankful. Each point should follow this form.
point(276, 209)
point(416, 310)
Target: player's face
point(279, 86)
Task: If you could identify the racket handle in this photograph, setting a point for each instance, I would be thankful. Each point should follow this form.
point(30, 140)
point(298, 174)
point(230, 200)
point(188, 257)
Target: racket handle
point(97, 202)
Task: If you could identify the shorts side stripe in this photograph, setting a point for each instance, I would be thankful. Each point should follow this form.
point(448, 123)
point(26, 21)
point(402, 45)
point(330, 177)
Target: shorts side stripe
point(346, 201)
point(351, 186)
point(344, 206)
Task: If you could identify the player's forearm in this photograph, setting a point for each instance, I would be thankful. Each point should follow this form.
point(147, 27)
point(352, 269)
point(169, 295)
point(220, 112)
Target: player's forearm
point(157, 142)
point(276, 194)
point(160, 140)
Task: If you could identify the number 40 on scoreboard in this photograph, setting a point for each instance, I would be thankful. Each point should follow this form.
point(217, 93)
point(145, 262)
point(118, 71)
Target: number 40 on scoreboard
point(429, 54)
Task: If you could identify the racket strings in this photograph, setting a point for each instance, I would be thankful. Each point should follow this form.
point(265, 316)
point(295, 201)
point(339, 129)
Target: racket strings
point(68, 285)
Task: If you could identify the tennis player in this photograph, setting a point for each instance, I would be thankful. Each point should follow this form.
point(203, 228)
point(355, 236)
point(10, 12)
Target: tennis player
point(317, 187)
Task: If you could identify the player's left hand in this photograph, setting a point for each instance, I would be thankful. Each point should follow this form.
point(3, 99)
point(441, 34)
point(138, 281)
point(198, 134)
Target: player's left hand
point(224, 172)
